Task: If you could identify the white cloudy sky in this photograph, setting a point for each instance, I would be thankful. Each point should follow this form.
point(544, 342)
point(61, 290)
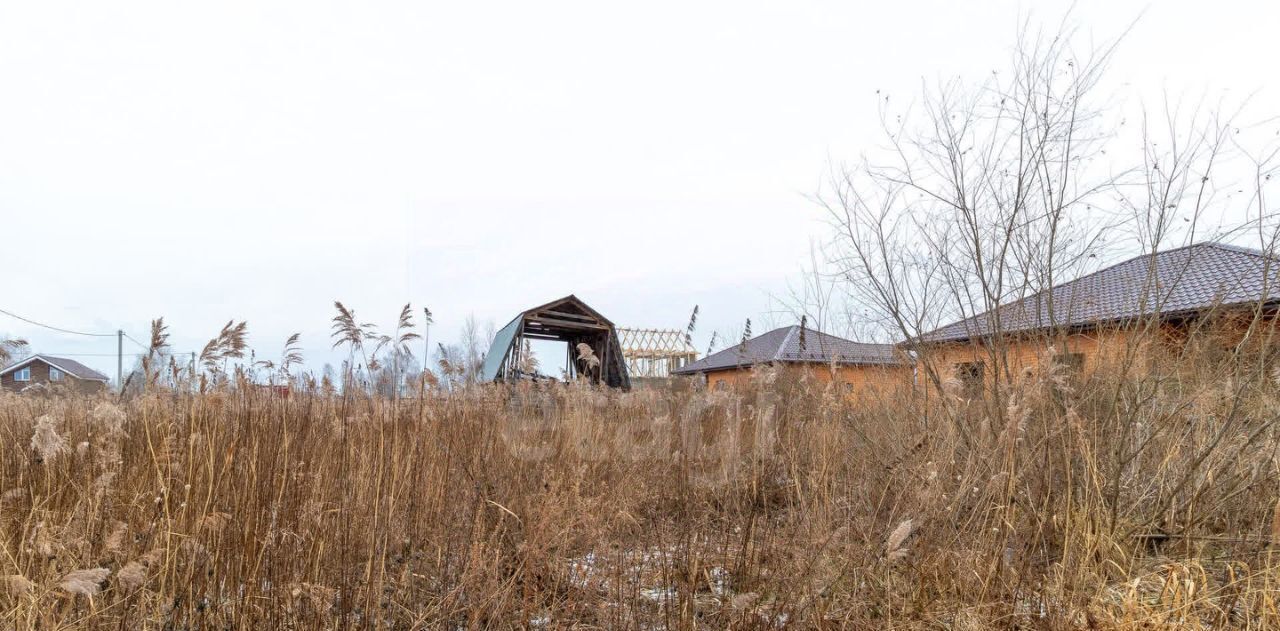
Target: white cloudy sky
point(257, 160)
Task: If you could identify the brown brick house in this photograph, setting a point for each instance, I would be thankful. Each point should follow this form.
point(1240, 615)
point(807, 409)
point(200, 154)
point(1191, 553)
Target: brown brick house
point(1137, 310)
point(862, 368)
point(44, 371)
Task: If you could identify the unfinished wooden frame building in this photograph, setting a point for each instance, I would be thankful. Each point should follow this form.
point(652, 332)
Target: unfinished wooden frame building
point(655, 353)
point(568, 320)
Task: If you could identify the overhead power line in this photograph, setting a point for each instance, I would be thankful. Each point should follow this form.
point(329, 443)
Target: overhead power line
point(57, 354)
point(119, 334)
point(130, 338)
point(55, 328)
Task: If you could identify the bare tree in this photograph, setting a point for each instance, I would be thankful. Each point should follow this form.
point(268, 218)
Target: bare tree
point(985, 194)
point(993, 193)
point(475, 343)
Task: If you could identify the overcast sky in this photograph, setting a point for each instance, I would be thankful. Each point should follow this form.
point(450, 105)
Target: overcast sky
point(258, 160)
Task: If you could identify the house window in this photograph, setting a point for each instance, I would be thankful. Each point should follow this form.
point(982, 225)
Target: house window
point(1072, 362)
point(970, 375)
point(23, 374)
point(55, 374)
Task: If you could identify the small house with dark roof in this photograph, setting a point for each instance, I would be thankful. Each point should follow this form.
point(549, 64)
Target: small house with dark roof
point(860, 367)
point(45, 371)
point(1091, 319)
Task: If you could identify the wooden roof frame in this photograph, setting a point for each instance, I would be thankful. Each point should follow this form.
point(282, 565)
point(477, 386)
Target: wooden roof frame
point(656, 353)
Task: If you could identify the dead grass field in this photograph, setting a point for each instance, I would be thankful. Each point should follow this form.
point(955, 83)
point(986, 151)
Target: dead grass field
point(1120, 503)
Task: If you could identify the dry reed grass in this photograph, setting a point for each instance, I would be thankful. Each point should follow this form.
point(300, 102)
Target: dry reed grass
point(781, 504)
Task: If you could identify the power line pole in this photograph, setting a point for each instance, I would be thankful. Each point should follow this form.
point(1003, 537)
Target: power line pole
point(120, 359)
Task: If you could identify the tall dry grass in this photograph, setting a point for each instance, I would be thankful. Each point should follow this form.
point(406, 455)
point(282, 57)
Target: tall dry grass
point(1122, 501)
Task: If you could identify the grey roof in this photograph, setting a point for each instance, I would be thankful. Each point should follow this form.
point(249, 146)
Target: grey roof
point(69, 366)
point(783, 345)
point(1171, 283)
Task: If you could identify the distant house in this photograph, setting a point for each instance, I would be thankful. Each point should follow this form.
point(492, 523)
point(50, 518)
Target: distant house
point(1085, 322)
point(46, 371)
point(859, 367)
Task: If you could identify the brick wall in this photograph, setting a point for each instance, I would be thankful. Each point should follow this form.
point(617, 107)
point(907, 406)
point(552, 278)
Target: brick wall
point(1085, 352)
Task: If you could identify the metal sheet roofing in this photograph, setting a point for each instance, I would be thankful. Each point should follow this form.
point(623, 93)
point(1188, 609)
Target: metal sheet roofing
point(499, 348)
point(790, 344)
point(1184, 280)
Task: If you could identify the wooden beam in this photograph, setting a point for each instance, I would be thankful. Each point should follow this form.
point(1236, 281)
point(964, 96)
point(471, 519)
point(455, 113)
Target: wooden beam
point(562, 314)
point(568, 324)
point(545, 336)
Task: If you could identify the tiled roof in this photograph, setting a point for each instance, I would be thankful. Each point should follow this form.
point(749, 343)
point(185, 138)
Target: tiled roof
point(69, 366)
point(1183, 280)
point(784, 345)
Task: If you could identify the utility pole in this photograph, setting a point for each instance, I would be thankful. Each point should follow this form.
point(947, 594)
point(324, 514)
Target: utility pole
point(120, 359)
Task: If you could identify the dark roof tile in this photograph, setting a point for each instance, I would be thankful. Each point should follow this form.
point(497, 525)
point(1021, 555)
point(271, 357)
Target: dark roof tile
point(69, 366)
point(783, 345)
point(1183, 280)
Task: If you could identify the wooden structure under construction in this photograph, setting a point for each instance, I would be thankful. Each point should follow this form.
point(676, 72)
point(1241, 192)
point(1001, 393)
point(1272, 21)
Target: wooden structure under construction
point(655, 353)
point(568, 320)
